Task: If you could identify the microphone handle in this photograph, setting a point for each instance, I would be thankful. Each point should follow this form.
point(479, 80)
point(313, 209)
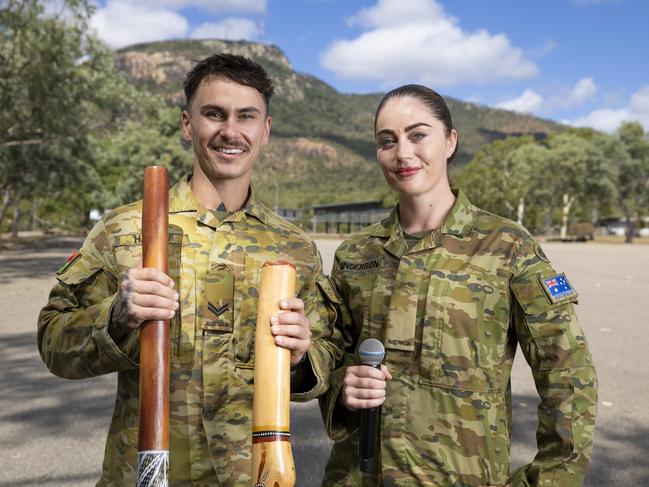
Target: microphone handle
point(369, 439)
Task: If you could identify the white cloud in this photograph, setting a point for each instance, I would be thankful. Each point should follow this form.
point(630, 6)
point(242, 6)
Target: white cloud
point(609, 119)
point(583, 91)
point(528, 102)
point(233, 29)
point(121, 23)
point(640, 101)
point(387, 13)
point(542, 49)
point(240, 6)
point(416, 41)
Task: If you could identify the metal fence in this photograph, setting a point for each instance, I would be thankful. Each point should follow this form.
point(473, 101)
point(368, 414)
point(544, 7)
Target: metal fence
point(349, 221)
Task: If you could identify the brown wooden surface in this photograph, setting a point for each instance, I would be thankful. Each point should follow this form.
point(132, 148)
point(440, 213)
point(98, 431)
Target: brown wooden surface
point(272, 459)
point(154, 334)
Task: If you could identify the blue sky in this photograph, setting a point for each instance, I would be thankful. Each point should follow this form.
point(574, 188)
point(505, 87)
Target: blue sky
point(582, 62)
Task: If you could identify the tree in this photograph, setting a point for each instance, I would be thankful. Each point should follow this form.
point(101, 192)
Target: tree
point(154, 136)
point(497, 178)
point(633, 179)
point(578, 171)
point(58, 88)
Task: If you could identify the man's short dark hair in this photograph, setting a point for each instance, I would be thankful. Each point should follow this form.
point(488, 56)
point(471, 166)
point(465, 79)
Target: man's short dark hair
point(239, 69)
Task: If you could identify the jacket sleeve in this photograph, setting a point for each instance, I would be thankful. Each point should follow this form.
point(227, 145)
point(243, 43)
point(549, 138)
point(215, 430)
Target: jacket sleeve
point(339, 421)
point(556, 350)
point(321, 308)
point(73, 337)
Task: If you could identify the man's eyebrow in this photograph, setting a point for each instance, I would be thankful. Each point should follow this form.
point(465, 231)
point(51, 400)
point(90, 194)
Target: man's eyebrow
point(221, 109)
point(209, 105)
point(249, 109)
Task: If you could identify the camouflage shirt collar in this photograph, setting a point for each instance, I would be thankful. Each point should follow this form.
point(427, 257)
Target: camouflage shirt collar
point(462, 216)
point(181, 198)
point(459, 221)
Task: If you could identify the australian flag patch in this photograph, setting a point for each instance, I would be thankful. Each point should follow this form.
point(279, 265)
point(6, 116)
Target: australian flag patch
point(558, 288)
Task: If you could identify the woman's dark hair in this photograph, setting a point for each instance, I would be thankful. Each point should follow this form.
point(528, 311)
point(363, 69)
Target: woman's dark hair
point(239, 69)
point(433, 100)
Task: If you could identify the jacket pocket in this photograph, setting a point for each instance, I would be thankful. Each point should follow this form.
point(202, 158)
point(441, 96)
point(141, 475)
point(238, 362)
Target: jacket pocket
point(128, 254)
point(247, 275)
point(464, 331)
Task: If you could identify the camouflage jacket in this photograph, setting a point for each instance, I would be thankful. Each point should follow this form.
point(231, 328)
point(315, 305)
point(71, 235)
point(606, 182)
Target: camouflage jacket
point(215, 265)
point(450, 311)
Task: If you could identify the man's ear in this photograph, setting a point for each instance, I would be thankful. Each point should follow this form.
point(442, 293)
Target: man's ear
point(187, 126)
point(267, 125)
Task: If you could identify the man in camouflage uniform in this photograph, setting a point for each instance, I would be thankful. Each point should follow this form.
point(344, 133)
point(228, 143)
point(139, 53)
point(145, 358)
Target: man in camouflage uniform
point(450, 307)
point(219, 236)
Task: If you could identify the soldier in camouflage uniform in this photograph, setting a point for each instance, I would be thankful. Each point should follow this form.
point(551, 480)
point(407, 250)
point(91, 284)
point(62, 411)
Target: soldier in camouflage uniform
point(451, 290)
point(219, 236)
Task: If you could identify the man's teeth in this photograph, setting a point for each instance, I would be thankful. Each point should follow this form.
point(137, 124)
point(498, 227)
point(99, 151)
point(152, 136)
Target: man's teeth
point(230, 151)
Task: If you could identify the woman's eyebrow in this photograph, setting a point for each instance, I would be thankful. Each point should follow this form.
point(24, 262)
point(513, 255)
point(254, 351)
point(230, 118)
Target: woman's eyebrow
point(415, 125)
point(408, 128)
point(385, 131)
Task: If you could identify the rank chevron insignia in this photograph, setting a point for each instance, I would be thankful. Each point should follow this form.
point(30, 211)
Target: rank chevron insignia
point(218, 311)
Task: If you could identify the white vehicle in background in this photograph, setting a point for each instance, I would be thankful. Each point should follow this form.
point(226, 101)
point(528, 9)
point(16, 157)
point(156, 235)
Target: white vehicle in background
point(619, 230)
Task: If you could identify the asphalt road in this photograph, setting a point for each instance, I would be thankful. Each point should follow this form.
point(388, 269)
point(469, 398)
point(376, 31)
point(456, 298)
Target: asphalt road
point(52, 430)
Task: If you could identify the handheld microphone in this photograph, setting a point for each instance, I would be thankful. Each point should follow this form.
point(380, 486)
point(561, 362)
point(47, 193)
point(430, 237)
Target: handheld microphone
point(371, 352)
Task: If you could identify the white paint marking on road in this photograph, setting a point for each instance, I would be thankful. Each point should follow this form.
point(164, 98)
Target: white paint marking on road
point(607, 404)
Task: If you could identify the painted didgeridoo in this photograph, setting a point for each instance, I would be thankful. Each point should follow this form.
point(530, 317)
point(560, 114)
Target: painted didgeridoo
point(272, 459)
point(153, 433)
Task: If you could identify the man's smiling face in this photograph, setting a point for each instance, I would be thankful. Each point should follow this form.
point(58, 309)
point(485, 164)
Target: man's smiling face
point(227, 123)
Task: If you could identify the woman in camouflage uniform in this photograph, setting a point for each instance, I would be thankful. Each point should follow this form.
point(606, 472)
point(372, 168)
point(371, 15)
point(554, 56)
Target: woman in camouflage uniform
point(451, 290)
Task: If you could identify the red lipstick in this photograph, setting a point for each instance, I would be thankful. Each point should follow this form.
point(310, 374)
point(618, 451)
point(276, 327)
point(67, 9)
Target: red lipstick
point(407, 171)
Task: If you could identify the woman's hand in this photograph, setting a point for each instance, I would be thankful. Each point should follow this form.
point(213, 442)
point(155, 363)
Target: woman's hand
point(364, 386)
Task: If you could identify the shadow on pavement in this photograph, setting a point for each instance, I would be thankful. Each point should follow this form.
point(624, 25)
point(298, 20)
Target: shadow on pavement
point(41, 243)
point(80, 479)
point(309, 443)
point(27, 259)
point(50, 405)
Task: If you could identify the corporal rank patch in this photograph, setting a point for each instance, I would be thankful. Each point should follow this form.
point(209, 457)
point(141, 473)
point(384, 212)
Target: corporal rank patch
point(71, 260)
point(558, 288)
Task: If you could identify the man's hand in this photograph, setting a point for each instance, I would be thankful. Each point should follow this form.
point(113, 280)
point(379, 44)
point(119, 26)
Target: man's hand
point(144, 294)
point(291, 329)
point(364, 387)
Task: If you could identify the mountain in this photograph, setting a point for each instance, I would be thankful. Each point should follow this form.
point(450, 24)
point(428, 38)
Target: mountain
point(322, 140)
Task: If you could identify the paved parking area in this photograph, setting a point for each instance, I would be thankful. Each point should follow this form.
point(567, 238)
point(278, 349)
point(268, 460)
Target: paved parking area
point(53, 430)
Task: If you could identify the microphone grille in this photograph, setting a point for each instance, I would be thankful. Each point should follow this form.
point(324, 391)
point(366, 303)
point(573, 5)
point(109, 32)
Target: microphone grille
point(371, 352)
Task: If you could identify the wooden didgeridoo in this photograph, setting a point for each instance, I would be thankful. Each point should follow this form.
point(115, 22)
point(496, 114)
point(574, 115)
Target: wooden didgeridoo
point(153, 433)
point(272, 459)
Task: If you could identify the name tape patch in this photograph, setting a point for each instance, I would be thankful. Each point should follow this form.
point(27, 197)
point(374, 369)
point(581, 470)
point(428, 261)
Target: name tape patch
point(361, 266)
point(558, 288)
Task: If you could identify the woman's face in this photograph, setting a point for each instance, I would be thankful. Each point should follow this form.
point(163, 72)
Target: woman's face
point(412, 147)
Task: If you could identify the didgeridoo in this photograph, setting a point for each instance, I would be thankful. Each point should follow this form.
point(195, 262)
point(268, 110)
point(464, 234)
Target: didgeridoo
point(272, 459)
point(153, 433)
